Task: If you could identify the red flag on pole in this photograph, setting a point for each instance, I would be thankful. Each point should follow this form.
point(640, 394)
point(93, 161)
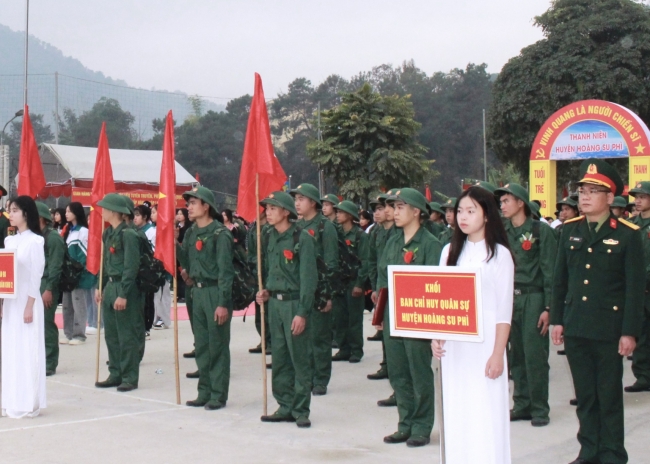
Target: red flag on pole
point(258, 158)
point(165, 240)
point(31, 178)
point(103, 184)
point(427, 193)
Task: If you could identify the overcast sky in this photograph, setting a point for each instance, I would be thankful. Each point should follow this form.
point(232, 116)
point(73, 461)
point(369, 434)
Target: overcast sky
point(213, 47)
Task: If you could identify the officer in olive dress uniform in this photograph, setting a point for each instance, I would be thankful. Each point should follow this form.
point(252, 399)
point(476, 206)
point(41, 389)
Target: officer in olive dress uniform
point(449, 207)
point(597, 310)
point(534, 247)
point(121, 300)
point(409, 359)
point(207, 253)
point(348, 306)
point(290, 281)
point(641, 356)
point(55, 249)
point(308, 205)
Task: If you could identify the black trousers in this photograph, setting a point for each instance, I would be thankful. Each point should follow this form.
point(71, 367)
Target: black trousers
point(149, 311)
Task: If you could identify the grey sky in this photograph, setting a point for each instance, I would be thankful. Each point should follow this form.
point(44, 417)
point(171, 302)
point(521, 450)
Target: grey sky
point(213, 47)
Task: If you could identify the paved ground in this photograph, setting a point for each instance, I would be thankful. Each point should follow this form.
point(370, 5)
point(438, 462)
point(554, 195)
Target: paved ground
point(86, 424)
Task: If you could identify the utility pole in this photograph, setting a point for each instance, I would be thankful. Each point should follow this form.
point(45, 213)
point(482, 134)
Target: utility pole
point(321, 175)
point(56, 107)
point(26, 49)
point(484, 150)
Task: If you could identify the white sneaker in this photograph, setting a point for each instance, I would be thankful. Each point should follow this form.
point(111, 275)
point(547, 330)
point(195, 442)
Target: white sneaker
point(63, 341)
point(76, 341)
point(160, 325)
point(91, 331)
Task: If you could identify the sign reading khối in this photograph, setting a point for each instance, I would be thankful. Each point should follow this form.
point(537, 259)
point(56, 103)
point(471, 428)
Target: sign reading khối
point(8, 273)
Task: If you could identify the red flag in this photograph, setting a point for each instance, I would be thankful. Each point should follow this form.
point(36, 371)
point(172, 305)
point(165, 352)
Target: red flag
point(165, 240)
point(258, 158)
point(427, 193)
point(102, 184)
point(31, 178)
point(198, 179)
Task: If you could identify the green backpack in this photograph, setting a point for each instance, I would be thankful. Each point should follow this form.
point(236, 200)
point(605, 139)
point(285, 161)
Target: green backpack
point(151, 273)
point(349, 263)
point(70, 270)
point(244, 285)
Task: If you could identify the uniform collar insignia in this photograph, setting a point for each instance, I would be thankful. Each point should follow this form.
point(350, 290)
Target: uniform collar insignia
point(610, 241)
point(613, 223)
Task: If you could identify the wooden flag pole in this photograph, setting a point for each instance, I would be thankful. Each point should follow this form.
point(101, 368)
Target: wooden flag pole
point(443, 456)
point(99, 306)
point(259, 285)
point(176, 367)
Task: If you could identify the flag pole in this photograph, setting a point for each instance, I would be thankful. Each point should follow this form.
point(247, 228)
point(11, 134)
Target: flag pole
point(176, 367)
point(259, 284)
point(99, 306)
point(440, 407)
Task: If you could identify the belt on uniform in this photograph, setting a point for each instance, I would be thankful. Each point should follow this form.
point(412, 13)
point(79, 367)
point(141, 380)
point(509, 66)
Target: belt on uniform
point(206, 283)
point(527, 290)
point(115, 279)
point(286, 296)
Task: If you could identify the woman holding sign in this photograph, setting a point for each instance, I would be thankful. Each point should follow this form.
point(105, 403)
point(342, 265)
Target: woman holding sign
point(23, 329)
point(474, 375)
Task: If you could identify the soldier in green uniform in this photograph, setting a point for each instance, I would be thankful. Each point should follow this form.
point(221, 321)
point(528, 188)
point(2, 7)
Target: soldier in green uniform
point(252, 264)
point(641, 356)
point(55, 249)
point(409, 359)
point(121, 300)
point(534, 247)
point(435, 224)
point(597, 310)
point(450, 207)
point(618, 206)
point(207, 253)
point(308, 204)
point(348, 307)
point(328, 202)
point(290, 283)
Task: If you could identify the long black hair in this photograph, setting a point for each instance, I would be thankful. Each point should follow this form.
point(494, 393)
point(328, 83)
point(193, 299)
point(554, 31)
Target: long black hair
point(77, 209)
point(495, 233)
point(228, 214)
point(61, 211)
point(144, 211)
point(28, 206)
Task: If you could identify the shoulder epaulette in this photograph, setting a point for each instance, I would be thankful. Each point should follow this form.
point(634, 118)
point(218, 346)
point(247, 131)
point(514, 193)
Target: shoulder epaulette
point(5, 214)
point(575, 219)
point(629, 224)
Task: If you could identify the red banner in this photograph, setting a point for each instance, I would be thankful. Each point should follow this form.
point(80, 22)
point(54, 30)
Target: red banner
point(7, 274)
point(435, 302)
point(82, 195)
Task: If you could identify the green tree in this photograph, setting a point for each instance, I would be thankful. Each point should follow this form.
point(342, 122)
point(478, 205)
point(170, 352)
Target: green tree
point(369, 143)
point(84, 130)
point(592, 49)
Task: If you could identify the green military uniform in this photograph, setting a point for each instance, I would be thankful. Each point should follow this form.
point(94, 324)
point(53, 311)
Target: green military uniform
point(409, 359)
point(122, 329)
point(252, 264)
point(641, 356)
point(435, 228)
point(348, 309)
point(598, 291)
point(207, 253)
point(55, 249)
point(534, 247)
point(445, 235)
point(327, 251)
point(291, 278)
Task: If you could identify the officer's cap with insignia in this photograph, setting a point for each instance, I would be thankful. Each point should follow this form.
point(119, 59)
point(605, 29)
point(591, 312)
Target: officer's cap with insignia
point(599, 172)
point(114, 202)
point(44, 211)
point(330, 198)
point(411, 197)
point(619, 202)
point(309, 191)
point(435, 206)
point(205, 195)
point(282, 200)
point(640, 187)
point(486, 185)
point(348, 207)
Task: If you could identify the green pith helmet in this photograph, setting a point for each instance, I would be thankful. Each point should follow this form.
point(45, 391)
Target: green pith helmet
point(378, 200)
point(114, 202)
point(204, 194)
point(486, 185)
point(449, 204)
point(534, 209)
point(129, 204)
point(43, 211)
point(567, 201)
point(640, 187)
point(282, 200)
point(435, 206)
point(515, 190)
point(599, 172)
point(331, 198)
point(619, 202)
point(348, 207)
point(411, 197)
point(309, 191)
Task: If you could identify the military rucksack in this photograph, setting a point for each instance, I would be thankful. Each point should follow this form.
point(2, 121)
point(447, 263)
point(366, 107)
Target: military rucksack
point(349, 263)
point(244, 284)
point(70, 270)
point(151, 272)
